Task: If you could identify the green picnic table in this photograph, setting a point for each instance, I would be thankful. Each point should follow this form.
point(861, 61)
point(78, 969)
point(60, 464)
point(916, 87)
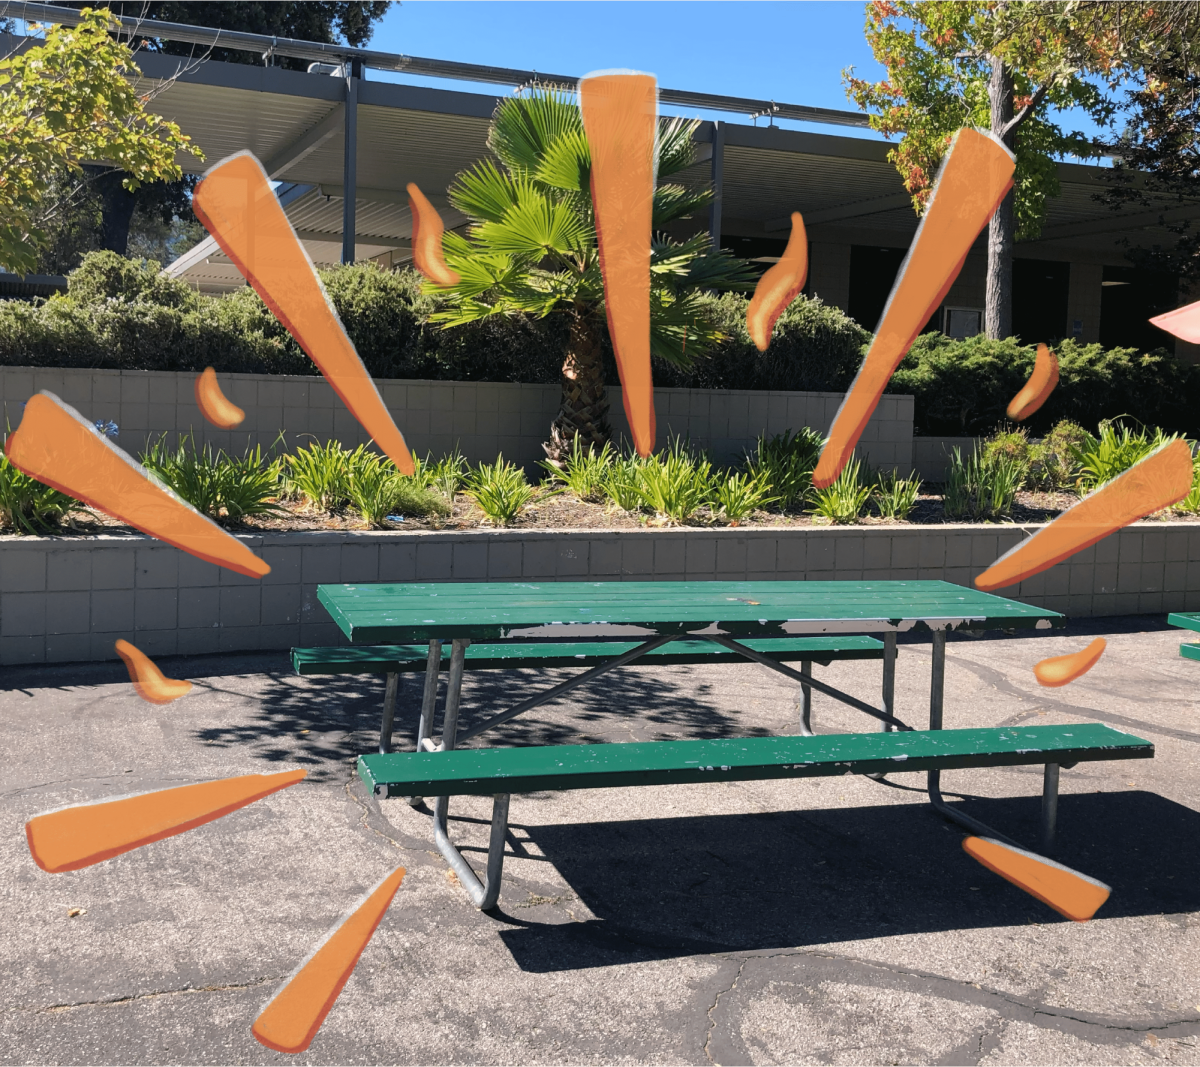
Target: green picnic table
point(647, 619)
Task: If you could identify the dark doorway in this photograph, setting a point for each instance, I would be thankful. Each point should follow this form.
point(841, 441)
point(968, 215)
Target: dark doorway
point(1128, 298)
point(873, 272)
point(759, 252)
point(1039, 308)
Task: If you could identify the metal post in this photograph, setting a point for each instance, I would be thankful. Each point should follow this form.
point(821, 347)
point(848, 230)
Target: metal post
point(936, 686)
point(718, 183)
point(484, 894)
point(433, 669)
point(1049, 806)
point(889, 676)
point(458, 651)
point(350, 161)
point(389, 713)
point(806, 700)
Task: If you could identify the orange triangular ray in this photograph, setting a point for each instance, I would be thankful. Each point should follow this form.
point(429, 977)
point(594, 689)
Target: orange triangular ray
point(295, 1014)
point(427, 230)
point(72, 838)
point(1183, 323)
point(1059, 670)
point(779, 286)
point(1159, 480)
point(215, 405)
point(237, 206)
point(1068, 892)
point(975, 176)
point(147, 679)
point(620, 119)
point(58, 446)
point(1037, 390)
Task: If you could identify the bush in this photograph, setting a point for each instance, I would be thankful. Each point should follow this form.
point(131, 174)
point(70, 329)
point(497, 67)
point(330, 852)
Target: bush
point(962, 388)
point(981, 487)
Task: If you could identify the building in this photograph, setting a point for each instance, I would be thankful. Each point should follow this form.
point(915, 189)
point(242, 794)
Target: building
point(333, 129)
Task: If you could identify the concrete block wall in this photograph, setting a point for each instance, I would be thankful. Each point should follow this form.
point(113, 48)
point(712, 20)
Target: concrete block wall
point(481, 418)
point(69, 599)
point(931, 455)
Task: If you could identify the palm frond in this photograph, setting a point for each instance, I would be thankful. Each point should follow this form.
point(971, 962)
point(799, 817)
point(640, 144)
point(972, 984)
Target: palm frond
point(673, 202)
point(523, 127)
point(566, 163)
point(676, 150)
point(484, 192)
point(679, 330)
point(537, 226)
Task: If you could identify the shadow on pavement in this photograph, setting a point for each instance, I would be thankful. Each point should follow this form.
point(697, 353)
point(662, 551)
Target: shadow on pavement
point(662, 888)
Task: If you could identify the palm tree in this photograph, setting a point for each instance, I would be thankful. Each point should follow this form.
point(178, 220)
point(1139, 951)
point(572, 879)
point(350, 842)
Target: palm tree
point(531, 250)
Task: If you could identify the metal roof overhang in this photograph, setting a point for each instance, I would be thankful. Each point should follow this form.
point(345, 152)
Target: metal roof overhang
point(294, 121)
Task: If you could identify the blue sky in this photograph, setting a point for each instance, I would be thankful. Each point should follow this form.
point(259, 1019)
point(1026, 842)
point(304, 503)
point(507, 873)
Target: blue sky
point(789, 52)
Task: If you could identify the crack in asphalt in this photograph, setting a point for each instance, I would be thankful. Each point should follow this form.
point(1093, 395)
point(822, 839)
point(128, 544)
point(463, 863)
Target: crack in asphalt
point(712, 1022)
point(232, 986)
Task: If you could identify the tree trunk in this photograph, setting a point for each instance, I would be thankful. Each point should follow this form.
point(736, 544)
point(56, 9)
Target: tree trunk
point(583, 413)
point(1001, 229)
point(117, 205)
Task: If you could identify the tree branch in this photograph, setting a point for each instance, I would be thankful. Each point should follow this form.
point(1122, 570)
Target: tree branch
point(1027, 110)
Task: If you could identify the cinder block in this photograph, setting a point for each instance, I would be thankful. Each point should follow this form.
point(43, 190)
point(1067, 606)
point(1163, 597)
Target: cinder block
point(156, 567)
point(156, 609)
point(906, 550)
point(877, 550)
point(397, 561)
point(199, 607)
point(285, 562)
point(280, 604)
point(1081, 579)
point(470, 561)
point(958, 549)
point(24, 615)
point(114, 568)
point(270, 392)
point(70, 569)
point(360, 563)
point(1152, 578)
point(1104, 578)
point(240, 607)
point(157, 642)
point(822, 552)
point(113, 611)
point(984, 550)
point(573, 558)
point(106, 387)
point(66, 613)
point(503, 560)
point(604, 556)
point(731, 557)
point(434, 561)
point(68, 648)
point(1150, 603)
point(848, 554)
point(700, 556)
point(1177, 545)
point(22, 570)
point(321, 564)
point(1175, 576)
point(637, 555)
point(761, 553)
point(197, 572)
point(30, 649)
point(670, 555)
point(932, 551)
point(197, 641)
point(540, 559)
point(276, 638)
point(1058, 580)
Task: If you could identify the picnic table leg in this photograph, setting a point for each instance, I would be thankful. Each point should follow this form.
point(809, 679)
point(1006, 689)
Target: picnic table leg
point(806, 699)
point(433, 670)
point(889, 676)
point(389, 713)
point(485, 894)
point(458, 652)
point(1049, 806)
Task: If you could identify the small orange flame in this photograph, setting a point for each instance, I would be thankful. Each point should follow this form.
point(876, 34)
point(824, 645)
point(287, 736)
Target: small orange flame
point(237, 206)
point(620, 119)
point(779, 286)
point(975, 176)
point(427, 230)
point(1037, 390)
point(1161, 479)
point(147, 679)
point(56, 445)
point(1059, 670)
point(85, 834)
point(213, 404)
point(1068, 892)
point(295, 1014)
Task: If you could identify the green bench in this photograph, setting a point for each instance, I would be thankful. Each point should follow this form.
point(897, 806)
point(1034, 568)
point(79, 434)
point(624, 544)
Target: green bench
point(394, 660)
point(499, 772)
point(1189, 620)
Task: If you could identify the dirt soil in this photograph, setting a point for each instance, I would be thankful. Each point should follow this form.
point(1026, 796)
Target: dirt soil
point(549, 511)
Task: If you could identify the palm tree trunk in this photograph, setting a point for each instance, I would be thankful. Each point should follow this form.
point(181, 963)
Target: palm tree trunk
point(583, 413)
point(1001, 229)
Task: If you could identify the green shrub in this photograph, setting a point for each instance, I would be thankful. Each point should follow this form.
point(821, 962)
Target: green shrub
point(1100, 459)
point(737, 495)
point(1052, 464)
point(29, 507)
point(500, 490)
point(223, 487)
point(446, 475)
point(895, 497)
point(319, 474)
point(622, 484)
point(786, 463)
point(963, 387)
point(675, 483)
point(845, 499)
point(981, 487)
point(585, 474)
point(377, 490)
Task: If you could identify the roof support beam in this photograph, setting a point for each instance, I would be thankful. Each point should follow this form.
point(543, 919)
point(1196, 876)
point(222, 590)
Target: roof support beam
point(847, 211)
point(313, 139)
point(717, 159)
point(350, 164)
point(1118, 221)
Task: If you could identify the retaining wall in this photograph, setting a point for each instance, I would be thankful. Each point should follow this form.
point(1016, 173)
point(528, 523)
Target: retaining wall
point(68, 599)
point(481, 418)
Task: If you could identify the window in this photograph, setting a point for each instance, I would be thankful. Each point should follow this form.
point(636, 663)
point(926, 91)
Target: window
point(963, 322)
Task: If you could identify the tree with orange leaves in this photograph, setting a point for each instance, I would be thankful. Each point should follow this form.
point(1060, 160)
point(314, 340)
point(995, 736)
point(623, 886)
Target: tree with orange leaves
point(999, 65)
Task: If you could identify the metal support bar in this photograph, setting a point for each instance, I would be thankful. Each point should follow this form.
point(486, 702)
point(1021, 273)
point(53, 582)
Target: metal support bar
point(806, 698)
point(483, 894)
point(954, 815)
point(937, 681)
point(558, 690)
point(389, 712)
point(433, 668)
point(889, 675)
point(820, 687)
point(350, 160)
point(458, 652)
point(1049, 806)
point(717, 166)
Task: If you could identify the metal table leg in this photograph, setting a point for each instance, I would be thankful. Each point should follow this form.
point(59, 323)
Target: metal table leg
point(483, 894)
point(806, 699)
point(433, 670)
point(389, 713)
point(1049, 806)
point(889, 676)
